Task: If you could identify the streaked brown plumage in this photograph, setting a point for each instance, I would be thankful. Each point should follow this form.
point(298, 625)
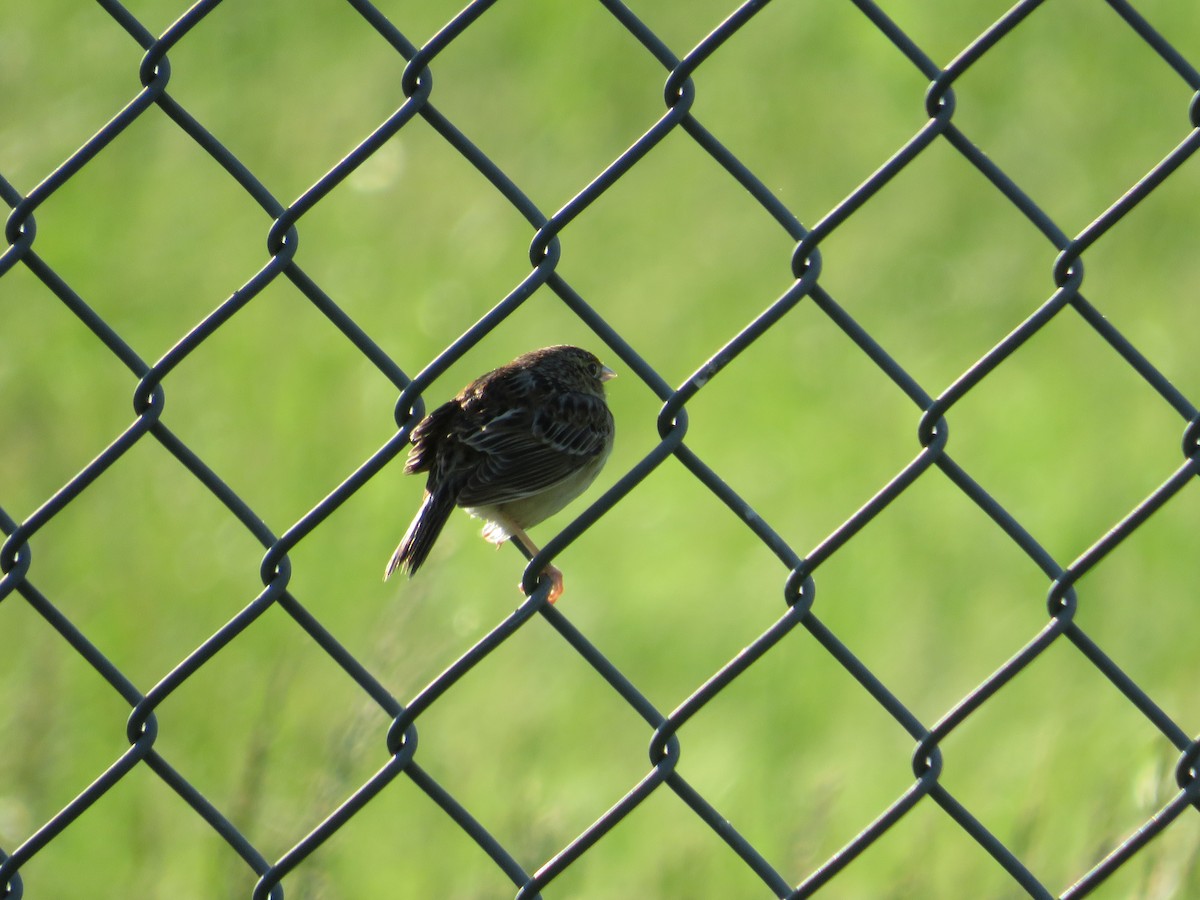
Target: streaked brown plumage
point(513, 448)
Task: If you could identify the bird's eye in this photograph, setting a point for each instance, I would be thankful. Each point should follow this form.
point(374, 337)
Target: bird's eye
point(594, 369)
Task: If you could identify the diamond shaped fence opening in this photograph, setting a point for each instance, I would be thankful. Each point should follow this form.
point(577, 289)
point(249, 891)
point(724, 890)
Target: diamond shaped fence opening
point(888, 588)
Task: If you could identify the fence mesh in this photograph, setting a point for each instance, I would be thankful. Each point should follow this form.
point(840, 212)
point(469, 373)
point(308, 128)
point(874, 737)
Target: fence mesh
point(142, 690)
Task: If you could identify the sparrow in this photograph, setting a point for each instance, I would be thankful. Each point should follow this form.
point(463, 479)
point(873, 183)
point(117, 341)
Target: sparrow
point(513, 448)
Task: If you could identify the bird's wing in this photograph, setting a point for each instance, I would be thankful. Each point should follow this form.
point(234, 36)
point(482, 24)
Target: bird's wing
point(429, 436)
point(529, 449)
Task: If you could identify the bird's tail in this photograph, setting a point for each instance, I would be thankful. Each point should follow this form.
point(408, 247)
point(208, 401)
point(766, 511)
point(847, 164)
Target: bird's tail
point(419, 539)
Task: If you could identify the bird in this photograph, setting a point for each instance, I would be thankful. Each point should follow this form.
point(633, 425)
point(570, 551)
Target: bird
point(514, 447)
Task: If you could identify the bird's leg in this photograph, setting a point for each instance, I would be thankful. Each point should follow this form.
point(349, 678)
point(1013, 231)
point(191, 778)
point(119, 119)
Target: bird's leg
point(553, 572)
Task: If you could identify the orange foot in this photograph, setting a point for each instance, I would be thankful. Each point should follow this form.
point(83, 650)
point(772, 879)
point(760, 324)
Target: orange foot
point(556, 582)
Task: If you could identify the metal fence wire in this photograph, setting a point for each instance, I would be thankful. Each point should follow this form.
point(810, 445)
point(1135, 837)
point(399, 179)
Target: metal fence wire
point(801, 568)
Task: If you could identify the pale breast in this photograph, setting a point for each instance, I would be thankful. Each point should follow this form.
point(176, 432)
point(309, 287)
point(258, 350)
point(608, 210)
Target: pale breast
point(526, 512)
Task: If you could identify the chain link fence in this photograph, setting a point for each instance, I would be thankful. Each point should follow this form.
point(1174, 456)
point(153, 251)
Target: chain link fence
point(558, 866)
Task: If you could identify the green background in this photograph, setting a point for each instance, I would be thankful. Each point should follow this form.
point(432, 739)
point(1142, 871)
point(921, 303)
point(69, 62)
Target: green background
point(669, 585)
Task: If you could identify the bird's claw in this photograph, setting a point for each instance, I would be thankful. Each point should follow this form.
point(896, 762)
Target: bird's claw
point(556, 583)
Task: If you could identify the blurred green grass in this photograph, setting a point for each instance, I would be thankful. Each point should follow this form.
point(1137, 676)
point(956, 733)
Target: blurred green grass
point(416, 246)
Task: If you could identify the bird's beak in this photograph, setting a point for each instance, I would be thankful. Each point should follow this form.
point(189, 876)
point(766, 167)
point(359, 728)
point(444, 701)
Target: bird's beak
point(607, 374)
